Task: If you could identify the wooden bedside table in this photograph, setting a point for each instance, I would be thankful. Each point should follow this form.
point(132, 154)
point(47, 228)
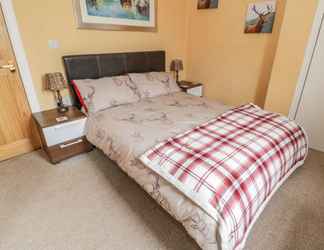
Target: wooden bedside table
point(195, 89)
point(62, 140)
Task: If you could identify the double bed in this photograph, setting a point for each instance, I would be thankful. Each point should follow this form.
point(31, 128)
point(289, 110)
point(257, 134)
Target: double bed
point(124, 133)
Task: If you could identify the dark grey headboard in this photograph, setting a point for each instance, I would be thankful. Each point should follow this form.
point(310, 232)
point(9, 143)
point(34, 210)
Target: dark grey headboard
point(104, 65)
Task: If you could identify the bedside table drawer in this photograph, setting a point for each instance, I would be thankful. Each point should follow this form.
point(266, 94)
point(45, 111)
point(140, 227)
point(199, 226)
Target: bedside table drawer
point(68, 149)
point(64, 132)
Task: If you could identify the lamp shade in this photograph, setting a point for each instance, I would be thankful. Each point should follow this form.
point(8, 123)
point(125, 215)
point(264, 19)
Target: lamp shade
point(176, 65)
point(55, 81)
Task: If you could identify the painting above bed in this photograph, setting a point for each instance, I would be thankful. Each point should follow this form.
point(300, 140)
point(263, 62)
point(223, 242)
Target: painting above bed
point(116, 14)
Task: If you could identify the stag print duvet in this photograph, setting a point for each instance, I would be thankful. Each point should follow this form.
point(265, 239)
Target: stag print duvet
point(124, 133)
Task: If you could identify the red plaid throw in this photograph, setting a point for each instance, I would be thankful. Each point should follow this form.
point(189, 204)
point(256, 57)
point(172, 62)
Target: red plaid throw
point(232, 165)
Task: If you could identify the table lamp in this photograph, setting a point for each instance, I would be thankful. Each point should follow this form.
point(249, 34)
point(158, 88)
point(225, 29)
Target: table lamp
point(176, 65)
point(55, 82)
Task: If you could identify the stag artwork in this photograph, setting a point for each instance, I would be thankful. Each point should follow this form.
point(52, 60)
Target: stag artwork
point(207, 4)
point(142, 6)
point(126, 3)
point(260, 20)
point(95, 3)
point(117, 14)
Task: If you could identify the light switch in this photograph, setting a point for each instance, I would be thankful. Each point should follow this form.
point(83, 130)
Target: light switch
point(53, 44)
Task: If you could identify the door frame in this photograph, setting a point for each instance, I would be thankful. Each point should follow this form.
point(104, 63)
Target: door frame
point(20, 54)
point(308, 59)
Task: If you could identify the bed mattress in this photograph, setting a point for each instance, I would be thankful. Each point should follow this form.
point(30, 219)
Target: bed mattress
point(124, 133)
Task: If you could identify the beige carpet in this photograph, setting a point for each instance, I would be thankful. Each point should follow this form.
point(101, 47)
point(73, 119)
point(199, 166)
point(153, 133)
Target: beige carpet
point(88, 203)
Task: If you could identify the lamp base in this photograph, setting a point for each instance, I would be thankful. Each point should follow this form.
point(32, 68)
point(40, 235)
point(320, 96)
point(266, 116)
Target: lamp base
point(62, 109)
point(60, 106)
point(177, 76)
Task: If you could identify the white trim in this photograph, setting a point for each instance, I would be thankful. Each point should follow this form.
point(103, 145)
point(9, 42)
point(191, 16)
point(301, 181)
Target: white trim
point(307, 60)
point(20, 54)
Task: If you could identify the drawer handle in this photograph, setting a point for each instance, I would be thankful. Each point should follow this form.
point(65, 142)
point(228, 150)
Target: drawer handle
point(67, 125)
point(71, 144)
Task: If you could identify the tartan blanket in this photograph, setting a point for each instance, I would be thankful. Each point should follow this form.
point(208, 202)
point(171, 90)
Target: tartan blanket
point(232, 165)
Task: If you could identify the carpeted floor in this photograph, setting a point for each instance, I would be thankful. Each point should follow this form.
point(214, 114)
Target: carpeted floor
point(88, 203)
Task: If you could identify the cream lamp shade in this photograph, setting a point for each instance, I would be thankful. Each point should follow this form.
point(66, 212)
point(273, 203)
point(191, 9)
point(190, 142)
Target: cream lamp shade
point(55, 81)
point(176, 65)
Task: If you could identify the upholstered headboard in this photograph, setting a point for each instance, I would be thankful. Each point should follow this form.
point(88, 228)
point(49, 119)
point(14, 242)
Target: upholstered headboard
point(104, 65)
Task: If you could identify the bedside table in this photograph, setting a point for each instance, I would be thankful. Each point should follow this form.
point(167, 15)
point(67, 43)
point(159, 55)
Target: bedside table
point(62, 139)
point(195, 89)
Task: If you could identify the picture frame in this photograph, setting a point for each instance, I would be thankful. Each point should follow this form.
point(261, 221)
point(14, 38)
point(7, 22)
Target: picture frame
point(127, 15)
point(207, 4)
point(260, 17)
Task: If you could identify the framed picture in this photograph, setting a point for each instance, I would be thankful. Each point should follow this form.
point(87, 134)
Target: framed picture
point(260, 17)
point(137, 15)
point(207, 4)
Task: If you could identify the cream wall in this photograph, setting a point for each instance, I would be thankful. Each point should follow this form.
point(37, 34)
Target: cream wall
point(235, 67)
point(297, 24)
point(40, 21)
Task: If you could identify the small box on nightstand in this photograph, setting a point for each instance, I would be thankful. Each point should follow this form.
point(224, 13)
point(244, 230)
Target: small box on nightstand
point(62, 134)
point(195, 89)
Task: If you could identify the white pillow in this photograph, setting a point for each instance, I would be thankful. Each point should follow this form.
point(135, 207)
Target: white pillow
point(168, 80)
point(99, 94)
point(154, 84)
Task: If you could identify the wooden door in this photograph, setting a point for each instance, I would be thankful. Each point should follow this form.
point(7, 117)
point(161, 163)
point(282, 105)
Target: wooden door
point(310, 113)
point(16, 127)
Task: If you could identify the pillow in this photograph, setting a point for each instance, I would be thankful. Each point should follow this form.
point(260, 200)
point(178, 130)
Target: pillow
point(154, 84)
point(99, 94)
point(168, 80)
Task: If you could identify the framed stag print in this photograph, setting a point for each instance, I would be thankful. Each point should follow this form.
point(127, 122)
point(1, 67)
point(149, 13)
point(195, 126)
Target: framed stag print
point(136, 15)
point(207, 4)
point(260, 17)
